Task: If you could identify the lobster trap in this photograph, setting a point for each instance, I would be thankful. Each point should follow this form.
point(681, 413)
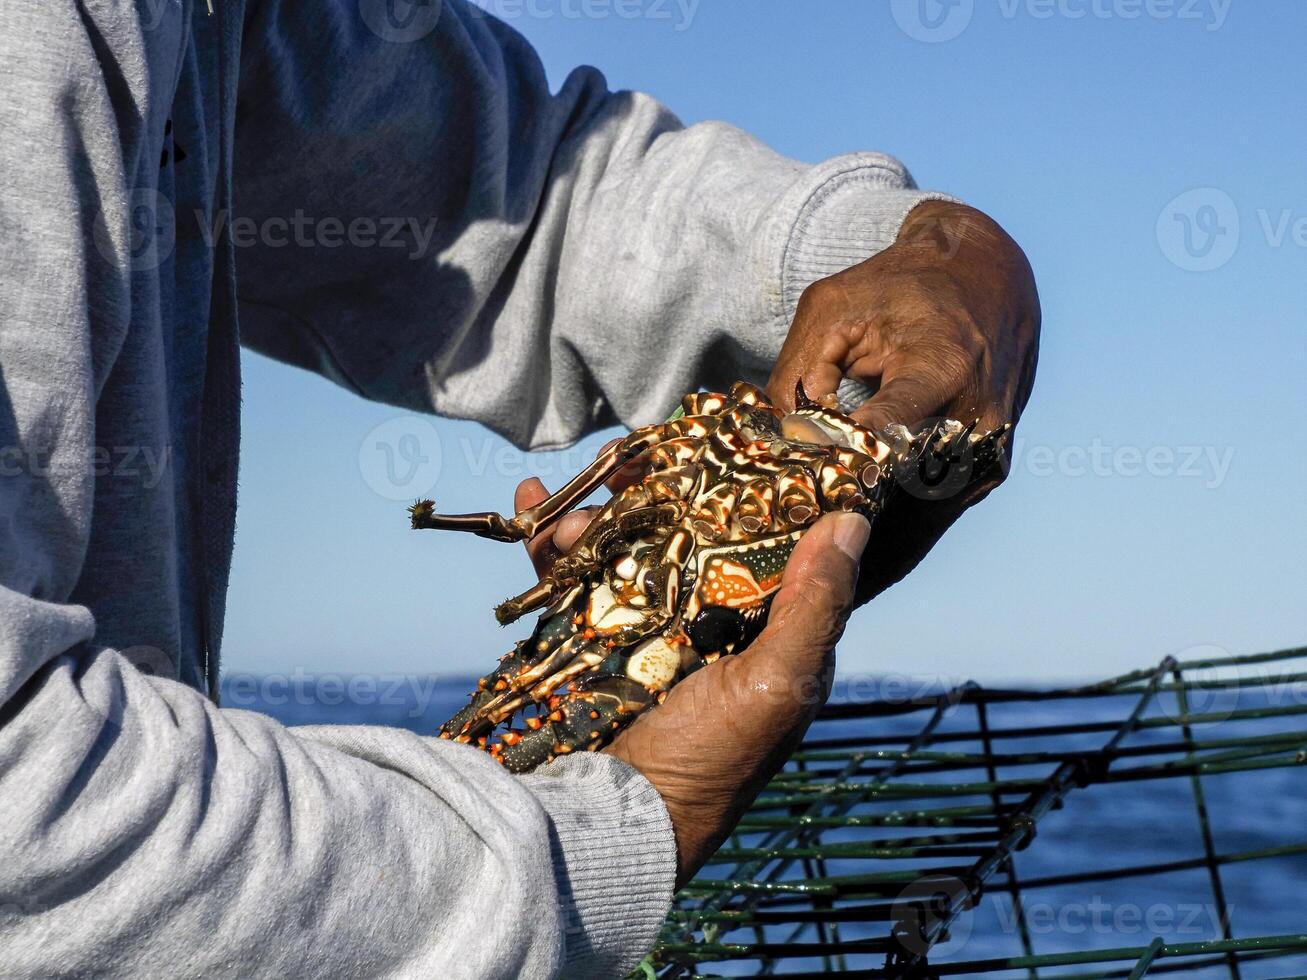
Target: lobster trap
point(1151, 824)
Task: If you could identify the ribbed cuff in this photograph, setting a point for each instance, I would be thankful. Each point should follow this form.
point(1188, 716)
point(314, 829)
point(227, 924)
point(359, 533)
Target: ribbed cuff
point(853, 208)
point(614, 857)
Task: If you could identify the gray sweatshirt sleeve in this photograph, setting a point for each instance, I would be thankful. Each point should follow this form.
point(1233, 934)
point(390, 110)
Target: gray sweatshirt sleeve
point(143, 831)
point(558, 262)
point(148, 832)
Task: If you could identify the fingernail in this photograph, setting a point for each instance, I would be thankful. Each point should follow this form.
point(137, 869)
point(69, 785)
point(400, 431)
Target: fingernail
point(850, 534)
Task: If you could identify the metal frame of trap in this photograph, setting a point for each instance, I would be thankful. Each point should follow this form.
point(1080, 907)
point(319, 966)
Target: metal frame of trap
point(768, 904)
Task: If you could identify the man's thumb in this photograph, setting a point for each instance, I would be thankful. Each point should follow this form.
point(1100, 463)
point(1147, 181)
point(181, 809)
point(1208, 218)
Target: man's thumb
point(808, 614)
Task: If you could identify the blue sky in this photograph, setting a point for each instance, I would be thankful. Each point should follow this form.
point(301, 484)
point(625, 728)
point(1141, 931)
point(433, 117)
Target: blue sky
point(1148, 155)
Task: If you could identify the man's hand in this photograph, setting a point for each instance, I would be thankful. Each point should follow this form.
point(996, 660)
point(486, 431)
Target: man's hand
point(727, 728)
point(944, 323)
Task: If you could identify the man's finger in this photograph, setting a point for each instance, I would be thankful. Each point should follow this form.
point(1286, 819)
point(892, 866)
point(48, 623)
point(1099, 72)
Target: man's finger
point(819, 378)
point(540, 549)
point(629, 474)
point(809, 612)
point(821, 358)
point(529, 493)
point(907, 399)
point(571, 527)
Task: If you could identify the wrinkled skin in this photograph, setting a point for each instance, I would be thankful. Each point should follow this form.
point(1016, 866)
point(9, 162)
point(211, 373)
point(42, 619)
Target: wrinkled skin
point(945, 322)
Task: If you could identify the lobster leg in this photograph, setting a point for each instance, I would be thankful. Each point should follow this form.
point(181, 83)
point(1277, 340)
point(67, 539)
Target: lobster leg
point(461, 724)
point(508, 693)
point(578, 720)
point(574, 657)
point(533, 520)
point(590, 551)
point(549, 641)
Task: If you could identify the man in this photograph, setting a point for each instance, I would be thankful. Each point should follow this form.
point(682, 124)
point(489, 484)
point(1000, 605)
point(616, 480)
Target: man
point(567, 260)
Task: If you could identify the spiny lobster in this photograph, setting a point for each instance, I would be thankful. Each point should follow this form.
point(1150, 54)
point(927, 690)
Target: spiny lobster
point(679, 568)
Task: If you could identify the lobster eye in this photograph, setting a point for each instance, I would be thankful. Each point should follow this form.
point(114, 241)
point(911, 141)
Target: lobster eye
point(798, 428)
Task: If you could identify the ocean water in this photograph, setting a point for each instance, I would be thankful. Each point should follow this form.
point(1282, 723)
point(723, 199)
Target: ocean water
point(1116, 825)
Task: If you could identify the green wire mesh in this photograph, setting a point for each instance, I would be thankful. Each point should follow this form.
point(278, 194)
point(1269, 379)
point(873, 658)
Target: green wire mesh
point(918, 837)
